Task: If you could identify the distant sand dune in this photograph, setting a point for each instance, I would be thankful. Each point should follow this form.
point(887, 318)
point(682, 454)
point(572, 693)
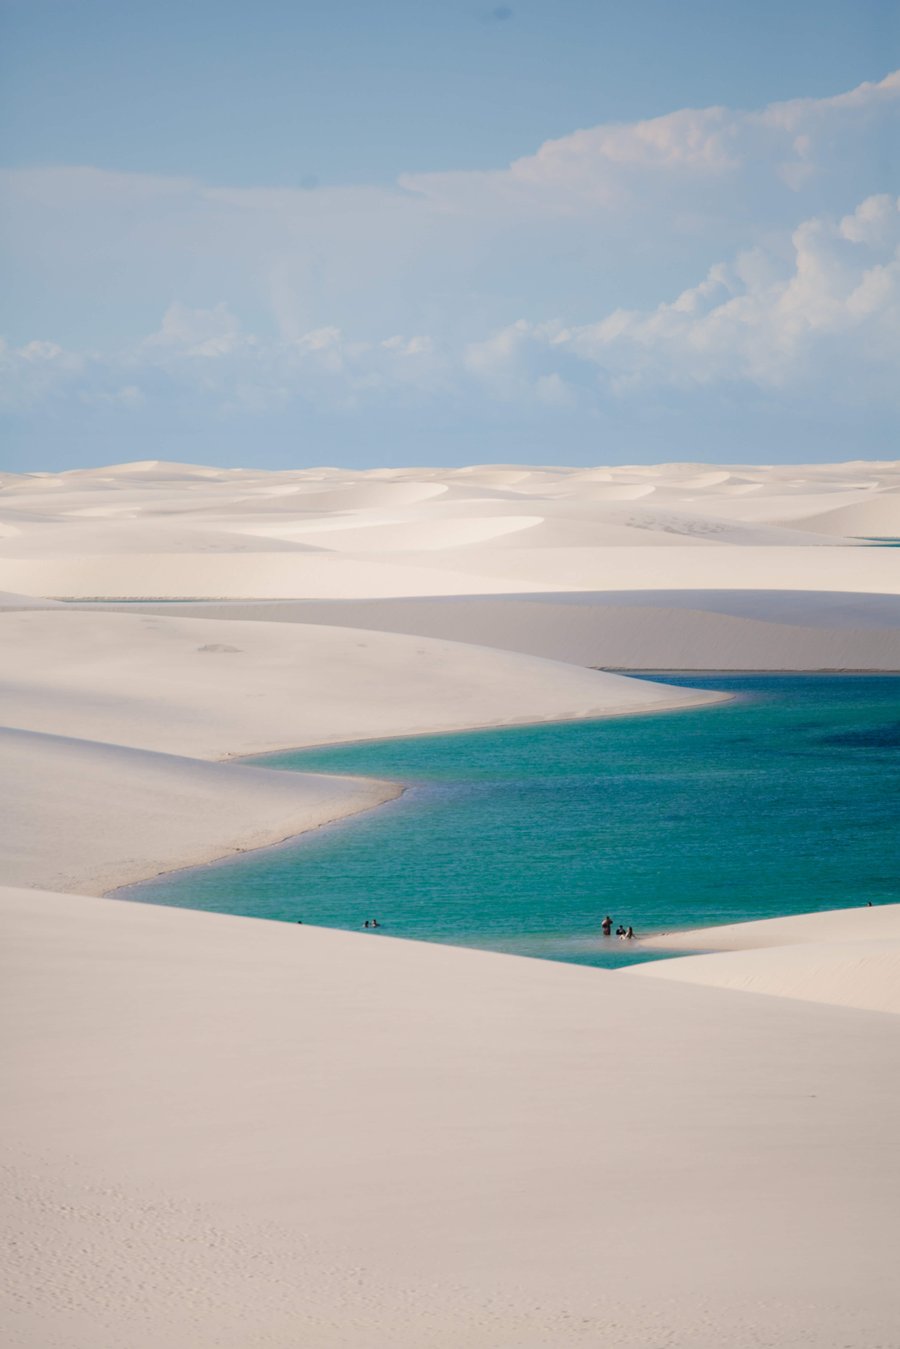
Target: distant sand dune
point(876, 518)
point(158, 530)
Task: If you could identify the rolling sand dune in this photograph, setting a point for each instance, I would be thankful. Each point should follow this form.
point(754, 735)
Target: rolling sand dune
point(212, 688)
point(297, 572)
point(249, 1135)
point(846, 957)
point(81, 816)
point(844, 973)
point(9, 600)
point(875, 518)
point(834, 925)
point(176, 531)
point(678, 630)
point(512, 568)
point(88, 694)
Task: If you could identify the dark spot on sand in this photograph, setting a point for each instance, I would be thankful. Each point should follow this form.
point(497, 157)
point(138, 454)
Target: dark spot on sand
point(218, 646)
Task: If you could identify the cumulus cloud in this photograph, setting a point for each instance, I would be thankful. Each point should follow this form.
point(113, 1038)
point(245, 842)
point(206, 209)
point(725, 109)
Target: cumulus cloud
point(835, 310)
point(830, 312)
point(620, 204)
point(614, 165)
point(205, 333)
point(707, 249)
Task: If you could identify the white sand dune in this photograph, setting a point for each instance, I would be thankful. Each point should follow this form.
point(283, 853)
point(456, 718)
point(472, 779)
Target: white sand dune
point(799, 505)
point(403, 536)
point(88, 694)
point(844, 973)
point(243, 573)
point(511, 567)
point(9, 600)
point(859, 923)
point(244, 1134)
point(878, 517)
point(475, 570)
point(216, 687)
point(678, 630)
point(178, 531)
point(82, 817)
point(846, 957)
point(251, 1135)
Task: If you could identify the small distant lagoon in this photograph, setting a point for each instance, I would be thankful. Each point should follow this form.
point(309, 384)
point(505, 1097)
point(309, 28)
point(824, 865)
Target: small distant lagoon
point(786, 800)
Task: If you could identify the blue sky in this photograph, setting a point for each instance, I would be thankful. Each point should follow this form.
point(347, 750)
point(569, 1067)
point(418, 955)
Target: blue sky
point(293, 233)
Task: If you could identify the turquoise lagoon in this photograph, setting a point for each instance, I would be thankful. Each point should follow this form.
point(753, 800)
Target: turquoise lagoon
point(785, 800)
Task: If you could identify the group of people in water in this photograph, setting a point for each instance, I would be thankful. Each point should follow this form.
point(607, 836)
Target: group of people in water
point(622, 932)
point(371, 922)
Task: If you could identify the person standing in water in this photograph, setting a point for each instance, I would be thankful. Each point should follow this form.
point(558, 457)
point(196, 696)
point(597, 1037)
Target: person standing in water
point(606, 926)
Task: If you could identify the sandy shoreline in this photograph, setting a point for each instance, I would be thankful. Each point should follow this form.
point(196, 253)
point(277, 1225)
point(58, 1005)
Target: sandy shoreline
point(132, 719)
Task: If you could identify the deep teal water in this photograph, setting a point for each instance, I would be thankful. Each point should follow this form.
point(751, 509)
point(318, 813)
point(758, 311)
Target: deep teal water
point(784, 801)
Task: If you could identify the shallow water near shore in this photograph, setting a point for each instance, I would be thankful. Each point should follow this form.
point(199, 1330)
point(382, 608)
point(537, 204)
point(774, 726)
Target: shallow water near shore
point(785, 800)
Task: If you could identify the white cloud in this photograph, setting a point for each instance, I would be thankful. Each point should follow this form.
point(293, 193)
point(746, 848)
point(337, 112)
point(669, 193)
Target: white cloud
point(835, 311)
point(610, 210)
point(829, 313)
point(36, 372)
point(533, 289)
point(205, 333)
point(609, 167)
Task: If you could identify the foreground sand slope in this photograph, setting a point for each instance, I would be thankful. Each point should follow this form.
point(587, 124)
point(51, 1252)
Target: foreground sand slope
point(244, 1134)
